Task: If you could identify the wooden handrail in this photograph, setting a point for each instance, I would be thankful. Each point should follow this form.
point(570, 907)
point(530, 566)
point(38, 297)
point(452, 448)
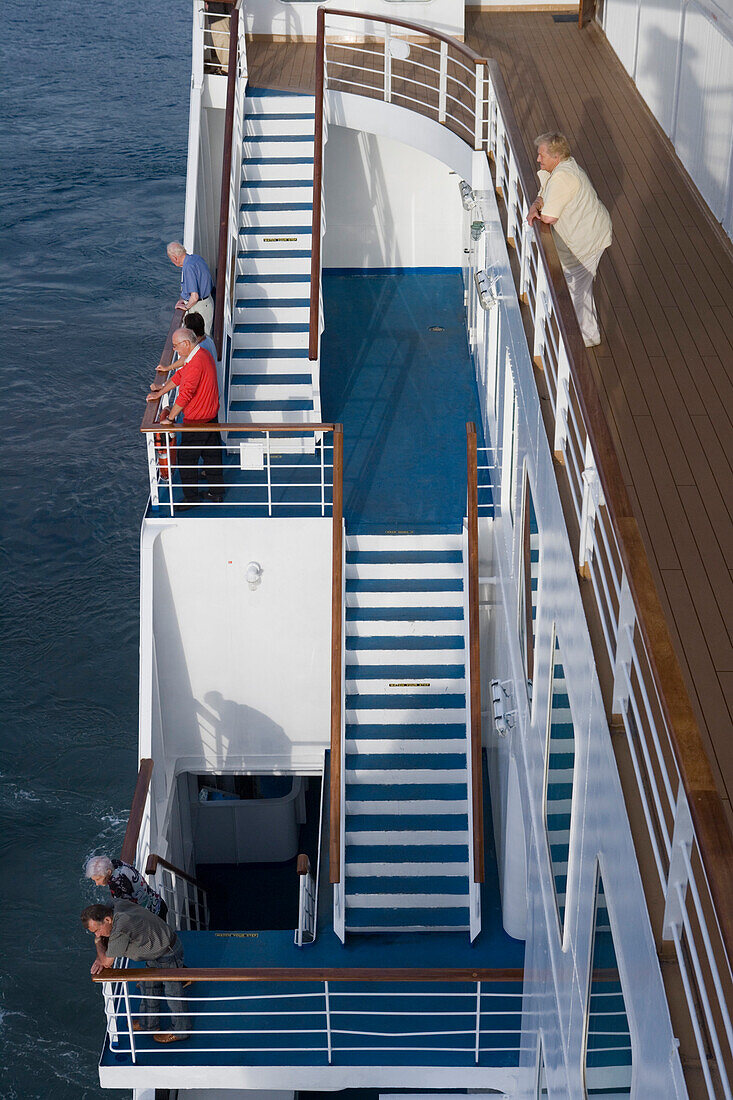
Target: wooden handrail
point(474, 653)
point(337, 584)
point(137, 809)
point(712, 828)
point(166, 358)
point(195, 426)
point(314, 322)
point(303, 865)
point(156, 861)
point(313, 974)
point(226, 173)
point(421, 30)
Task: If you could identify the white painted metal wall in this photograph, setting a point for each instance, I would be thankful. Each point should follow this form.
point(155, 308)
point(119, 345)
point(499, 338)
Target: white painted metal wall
point(298, 19)
point(556, 968)
point(376, 216)
point(680, 55)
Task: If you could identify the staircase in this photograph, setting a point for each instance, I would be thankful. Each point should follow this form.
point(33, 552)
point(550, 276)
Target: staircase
point(406, 809)
point(272, 379)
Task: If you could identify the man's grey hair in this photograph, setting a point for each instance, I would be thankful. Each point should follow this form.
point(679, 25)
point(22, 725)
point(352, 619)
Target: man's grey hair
point(98, 865)
point(175, 248)
point(185, 334)
point(557, 144)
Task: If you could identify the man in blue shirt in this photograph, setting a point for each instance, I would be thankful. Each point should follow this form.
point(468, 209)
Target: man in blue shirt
point(196, 283)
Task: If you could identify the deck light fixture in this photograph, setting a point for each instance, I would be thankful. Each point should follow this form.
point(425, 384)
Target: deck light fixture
point(486, 289)
point(254, 575)
point(468, 198)
point(501, 693)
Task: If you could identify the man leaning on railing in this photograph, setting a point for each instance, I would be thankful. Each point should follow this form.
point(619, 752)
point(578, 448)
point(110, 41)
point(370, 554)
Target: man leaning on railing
point(131, 932)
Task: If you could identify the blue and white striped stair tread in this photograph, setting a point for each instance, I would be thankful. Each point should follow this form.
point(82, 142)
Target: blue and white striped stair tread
point(406, 853)
point(425, 885)
point(420, 731)
point(280, 404)
point(400, 761)
point(272, 303)
point(276, 230)
point(404, 792)
point(407, 822)
point(404, 642)
point(274, 278)
point(277, 183)
point(386, 919)
point(270, 353)
point(405, 672)
point(271, 326)
point(273, 254)
point(409, 614)
point(403, 557)
point(274, 207)
point(440, 701)
point(248, 138)
point(270, 380)
point(404, 584)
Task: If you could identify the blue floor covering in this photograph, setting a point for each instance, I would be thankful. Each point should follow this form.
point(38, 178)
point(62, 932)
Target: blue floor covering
point(397, 372)
point(450, 1037)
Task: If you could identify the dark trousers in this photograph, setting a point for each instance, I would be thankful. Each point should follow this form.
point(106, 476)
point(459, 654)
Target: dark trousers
point(203, 446)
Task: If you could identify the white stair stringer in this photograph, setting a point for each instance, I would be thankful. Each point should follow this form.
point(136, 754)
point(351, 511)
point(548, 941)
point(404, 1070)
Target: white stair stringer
point(406, 862)
point(272, 380)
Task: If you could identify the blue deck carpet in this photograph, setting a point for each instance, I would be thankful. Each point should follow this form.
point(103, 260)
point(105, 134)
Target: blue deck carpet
point(403, 393)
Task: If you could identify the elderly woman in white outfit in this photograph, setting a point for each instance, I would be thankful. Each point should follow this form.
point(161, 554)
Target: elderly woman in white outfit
point(581, 225)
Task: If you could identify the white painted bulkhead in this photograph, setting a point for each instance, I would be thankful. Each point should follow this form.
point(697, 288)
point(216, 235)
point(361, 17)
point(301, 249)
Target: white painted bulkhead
point(294, 20)
point(680, 56)
point(232, 679)
point(556, 969)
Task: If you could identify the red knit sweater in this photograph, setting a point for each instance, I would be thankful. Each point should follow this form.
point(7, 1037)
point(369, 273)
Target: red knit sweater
point(198, 390)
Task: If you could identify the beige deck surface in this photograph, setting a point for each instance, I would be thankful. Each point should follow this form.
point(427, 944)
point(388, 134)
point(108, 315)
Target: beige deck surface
point(665, 298)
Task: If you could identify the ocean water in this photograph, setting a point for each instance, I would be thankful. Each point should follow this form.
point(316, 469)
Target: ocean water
point(94, 109)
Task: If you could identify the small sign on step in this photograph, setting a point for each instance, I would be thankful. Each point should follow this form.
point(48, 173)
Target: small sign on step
point(252, 454)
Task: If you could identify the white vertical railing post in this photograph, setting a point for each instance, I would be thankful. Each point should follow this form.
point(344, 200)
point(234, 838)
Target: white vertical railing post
point(152, 468)
point(110, 1011)
point(443, 83)
point(323, 475)
point(624, 646)
point(677, 876)
point(562, 403)
point(491, 118)
point(499, 156)
point(477, 1048)
point(478, 129)
point(269, 475)
point(513, 228)
point(591, 501)
point(328, 1023)
point(387, 64)
point(128, 1013)
point(540, 314)
point(525, 248)
point(170, 468)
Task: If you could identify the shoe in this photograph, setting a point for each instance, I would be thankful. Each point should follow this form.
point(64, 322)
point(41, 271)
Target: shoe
point(212, 494)
point(167, 1037)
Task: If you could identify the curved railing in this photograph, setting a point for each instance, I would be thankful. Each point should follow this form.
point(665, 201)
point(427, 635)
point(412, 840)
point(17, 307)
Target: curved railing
point(686, 824)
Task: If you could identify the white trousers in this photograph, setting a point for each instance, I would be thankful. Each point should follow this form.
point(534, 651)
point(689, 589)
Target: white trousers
point(206, 309)
point(580, 284)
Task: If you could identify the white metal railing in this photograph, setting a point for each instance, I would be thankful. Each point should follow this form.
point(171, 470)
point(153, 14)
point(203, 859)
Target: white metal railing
point(188, 906)
point(411, 66)
point(339, 888)
point(235, 183)
point(463, 1020)
point(690, 912)
point(474, 888)
point(215, 40)
point(306, 930)
point(262, 471)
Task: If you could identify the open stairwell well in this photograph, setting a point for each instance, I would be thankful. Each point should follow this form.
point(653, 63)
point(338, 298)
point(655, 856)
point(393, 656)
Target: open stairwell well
point(406, 809)
point(272, 379)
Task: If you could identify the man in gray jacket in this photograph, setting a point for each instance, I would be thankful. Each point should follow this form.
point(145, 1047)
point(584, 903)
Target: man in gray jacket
point(128, 931)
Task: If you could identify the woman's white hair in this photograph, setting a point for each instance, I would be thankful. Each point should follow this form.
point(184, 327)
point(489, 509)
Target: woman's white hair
point(97, 865)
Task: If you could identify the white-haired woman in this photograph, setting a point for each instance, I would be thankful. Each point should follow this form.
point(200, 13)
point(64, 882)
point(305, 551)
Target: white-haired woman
point(125, 883)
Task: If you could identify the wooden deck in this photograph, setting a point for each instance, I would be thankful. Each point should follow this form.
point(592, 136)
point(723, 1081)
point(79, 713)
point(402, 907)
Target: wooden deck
point(665, 299)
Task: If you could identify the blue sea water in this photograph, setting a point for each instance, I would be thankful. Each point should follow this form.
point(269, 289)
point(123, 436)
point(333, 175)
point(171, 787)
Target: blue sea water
point(94, 109)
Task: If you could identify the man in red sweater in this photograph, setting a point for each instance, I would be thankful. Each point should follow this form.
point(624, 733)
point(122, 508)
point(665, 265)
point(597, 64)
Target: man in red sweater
point(198, 400)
